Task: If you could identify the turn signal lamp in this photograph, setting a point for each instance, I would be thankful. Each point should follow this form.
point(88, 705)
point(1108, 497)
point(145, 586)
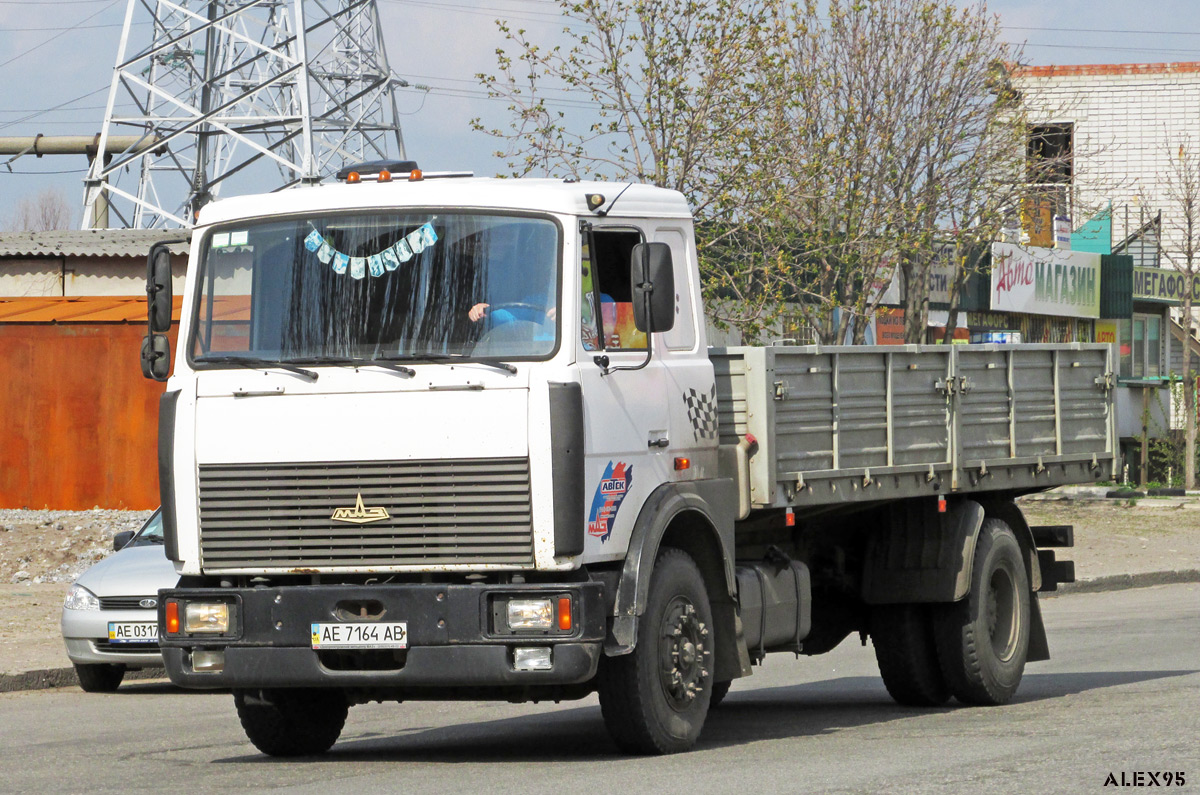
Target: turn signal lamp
point(682, 464)
point(172, 618)
point(789, 518)
point(353, 177)
point(564, 614)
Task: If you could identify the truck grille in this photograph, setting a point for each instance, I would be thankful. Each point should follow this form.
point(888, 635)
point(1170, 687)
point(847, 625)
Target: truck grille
point(473, 511)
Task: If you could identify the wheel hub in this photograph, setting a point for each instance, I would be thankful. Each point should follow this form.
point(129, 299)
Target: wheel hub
point(684, 654)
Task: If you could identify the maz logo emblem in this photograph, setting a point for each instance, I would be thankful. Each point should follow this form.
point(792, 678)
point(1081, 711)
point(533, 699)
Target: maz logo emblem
point(359, 514)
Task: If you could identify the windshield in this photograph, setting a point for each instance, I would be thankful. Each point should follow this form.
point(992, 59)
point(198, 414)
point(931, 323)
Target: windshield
point(379, 286)
point(151, 532)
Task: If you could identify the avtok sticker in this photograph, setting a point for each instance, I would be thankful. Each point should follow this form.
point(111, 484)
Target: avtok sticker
point(610, 493)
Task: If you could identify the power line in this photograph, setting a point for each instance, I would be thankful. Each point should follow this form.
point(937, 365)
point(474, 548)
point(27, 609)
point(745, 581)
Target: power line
point(1192, 52)
point(1106, 30)
point(73, 27)
point(57, 35)
point(56, 107)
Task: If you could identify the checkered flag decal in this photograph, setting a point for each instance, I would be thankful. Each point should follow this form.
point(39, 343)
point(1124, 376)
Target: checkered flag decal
point(702, 412)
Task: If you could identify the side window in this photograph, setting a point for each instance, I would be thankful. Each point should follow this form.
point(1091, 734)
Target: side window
point(607, 317)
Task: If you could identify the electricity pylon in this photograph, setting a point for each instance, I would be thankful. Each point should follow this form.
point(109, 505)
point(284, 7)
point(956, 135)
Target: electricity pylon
point(241, 96)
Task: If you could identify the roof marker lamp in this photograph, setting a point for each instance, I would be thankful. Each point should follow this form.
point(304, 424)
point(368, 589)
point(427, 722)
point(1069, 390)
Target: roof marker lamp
point(353, 177)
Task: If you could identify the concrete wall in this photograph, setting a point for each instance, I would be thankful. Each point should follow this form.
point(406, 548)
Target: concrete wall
point(23, 277)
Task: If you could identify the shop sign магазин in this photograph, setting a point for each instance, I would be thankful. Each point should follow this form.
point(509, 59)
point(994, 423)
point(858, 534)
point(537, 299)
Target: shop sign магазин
point(1042, 281)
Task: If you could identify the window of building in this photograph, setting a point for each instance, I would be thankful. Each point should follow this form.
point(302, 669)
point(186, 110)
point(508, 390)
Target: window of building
point(1141, 347)
point(1049, 153)
point(607, 299)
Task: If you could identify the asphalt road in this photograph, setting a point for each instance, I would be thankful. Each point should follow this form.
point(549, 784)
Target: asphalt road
point(1121, 695)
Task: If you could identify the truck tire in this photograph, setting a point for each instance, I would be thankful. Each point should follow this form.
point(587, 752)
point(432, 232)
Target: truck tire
point(719, 691)
point(983, 640)
point(907, 655)
point(654, 699)
point(291, 722)
point(99, 677)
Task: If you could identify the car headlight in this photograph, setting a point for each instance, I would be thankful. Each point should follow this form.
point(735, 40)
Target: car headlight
point(80, 598)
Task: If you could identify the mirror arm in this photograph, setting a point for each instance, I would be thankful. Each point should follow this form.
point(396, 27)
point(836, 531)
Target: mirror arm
point(606, 370)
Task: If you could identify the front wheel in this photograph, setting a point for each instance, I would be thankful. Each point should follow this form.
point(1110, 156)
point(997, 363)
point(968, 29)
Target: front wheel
point(654, 700)
point(99, 677)
point(983, 640)
point(291, 722)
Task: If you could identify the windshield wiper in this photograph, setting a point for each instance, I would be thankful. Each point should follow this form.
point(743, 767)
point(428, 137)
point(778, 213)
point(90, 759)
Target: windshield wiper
point(444, 357)
point(255, 364)
point(347, 361)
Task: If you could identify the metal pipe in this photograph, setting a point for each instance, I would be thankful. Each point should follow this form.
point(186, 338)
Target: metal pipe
point(73, 144)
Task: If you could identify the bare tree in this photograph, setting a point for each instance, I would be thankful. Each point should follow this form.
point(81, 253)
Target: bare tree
point(1179, 187)
point(43, 212)
point(823, 144)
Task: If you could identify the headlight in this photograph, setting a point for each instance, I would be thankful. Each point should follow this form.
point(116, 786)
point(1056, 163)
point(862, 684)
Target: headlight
point(80, 598)
point(530, 614)
point(202, 617)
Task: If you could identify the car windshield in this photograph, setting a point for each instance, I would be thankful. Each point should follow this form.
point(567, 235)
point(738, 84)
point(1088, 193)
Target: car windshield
point(383, 286)
point(151, 532)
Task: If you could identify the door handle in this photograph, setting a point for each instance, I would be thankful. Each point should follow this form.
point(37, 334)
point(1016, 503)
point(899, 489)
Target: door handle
point(660, 442)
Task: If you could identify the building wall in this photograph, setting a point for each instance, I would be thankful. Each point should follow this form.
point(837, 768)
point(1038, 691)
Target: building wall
point(27, 277)
point(80, 423)
point(1127, 118)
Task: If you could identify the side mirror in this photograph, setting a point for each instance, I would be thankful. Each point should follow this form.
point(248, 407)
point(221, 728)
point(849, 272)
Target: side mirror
point(122, 538)
point(158, 288)
point(156, 357)
point(652, 277)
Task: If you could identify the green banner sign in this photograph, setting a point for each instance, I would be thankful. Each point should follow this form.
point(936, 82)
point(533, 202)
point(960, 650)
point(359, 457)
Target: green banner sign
point(1163, 284)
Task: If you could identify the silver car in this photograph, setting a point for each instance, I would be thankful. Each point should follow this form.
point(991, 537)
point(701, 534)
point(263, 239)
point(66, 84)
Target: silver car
point(110, 618)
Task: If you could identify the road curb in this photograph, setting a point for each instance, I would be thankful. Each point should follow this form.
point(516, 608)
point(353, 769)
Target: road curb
point(47, 678)
point(1121, 582)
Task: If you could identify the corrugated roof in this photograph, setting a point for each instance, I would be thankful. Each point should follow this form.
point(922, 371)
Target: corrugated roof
point(1092, 69)
point(89, 242)
point(98, 309)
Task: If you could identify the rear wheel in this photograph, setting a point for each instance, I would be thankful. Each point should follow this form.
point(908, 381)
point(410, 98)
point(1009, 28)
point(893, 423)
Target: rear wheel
point(719, 691)
point(654, 699)
point(99, 677)
point(907, 655)
point(983, 640)
point(291, 722)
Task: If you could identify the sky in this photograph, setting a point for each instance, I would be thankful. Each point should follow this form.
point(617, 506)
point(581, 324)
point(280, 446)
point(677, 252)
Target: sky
point(57, 56)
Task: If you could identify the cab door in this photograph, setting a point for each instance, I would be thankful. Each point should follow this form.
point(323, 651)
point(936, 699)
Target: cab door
point(626, 420)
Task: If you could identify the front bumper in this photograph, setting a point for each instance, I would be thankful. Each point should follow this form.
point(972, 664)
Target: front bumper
point(85, 636)
point(452, 639)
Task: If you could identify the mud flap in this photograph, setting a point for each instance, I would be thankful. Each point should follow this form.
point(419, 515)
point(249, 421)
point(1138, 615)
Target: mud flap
point(1039, 647)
